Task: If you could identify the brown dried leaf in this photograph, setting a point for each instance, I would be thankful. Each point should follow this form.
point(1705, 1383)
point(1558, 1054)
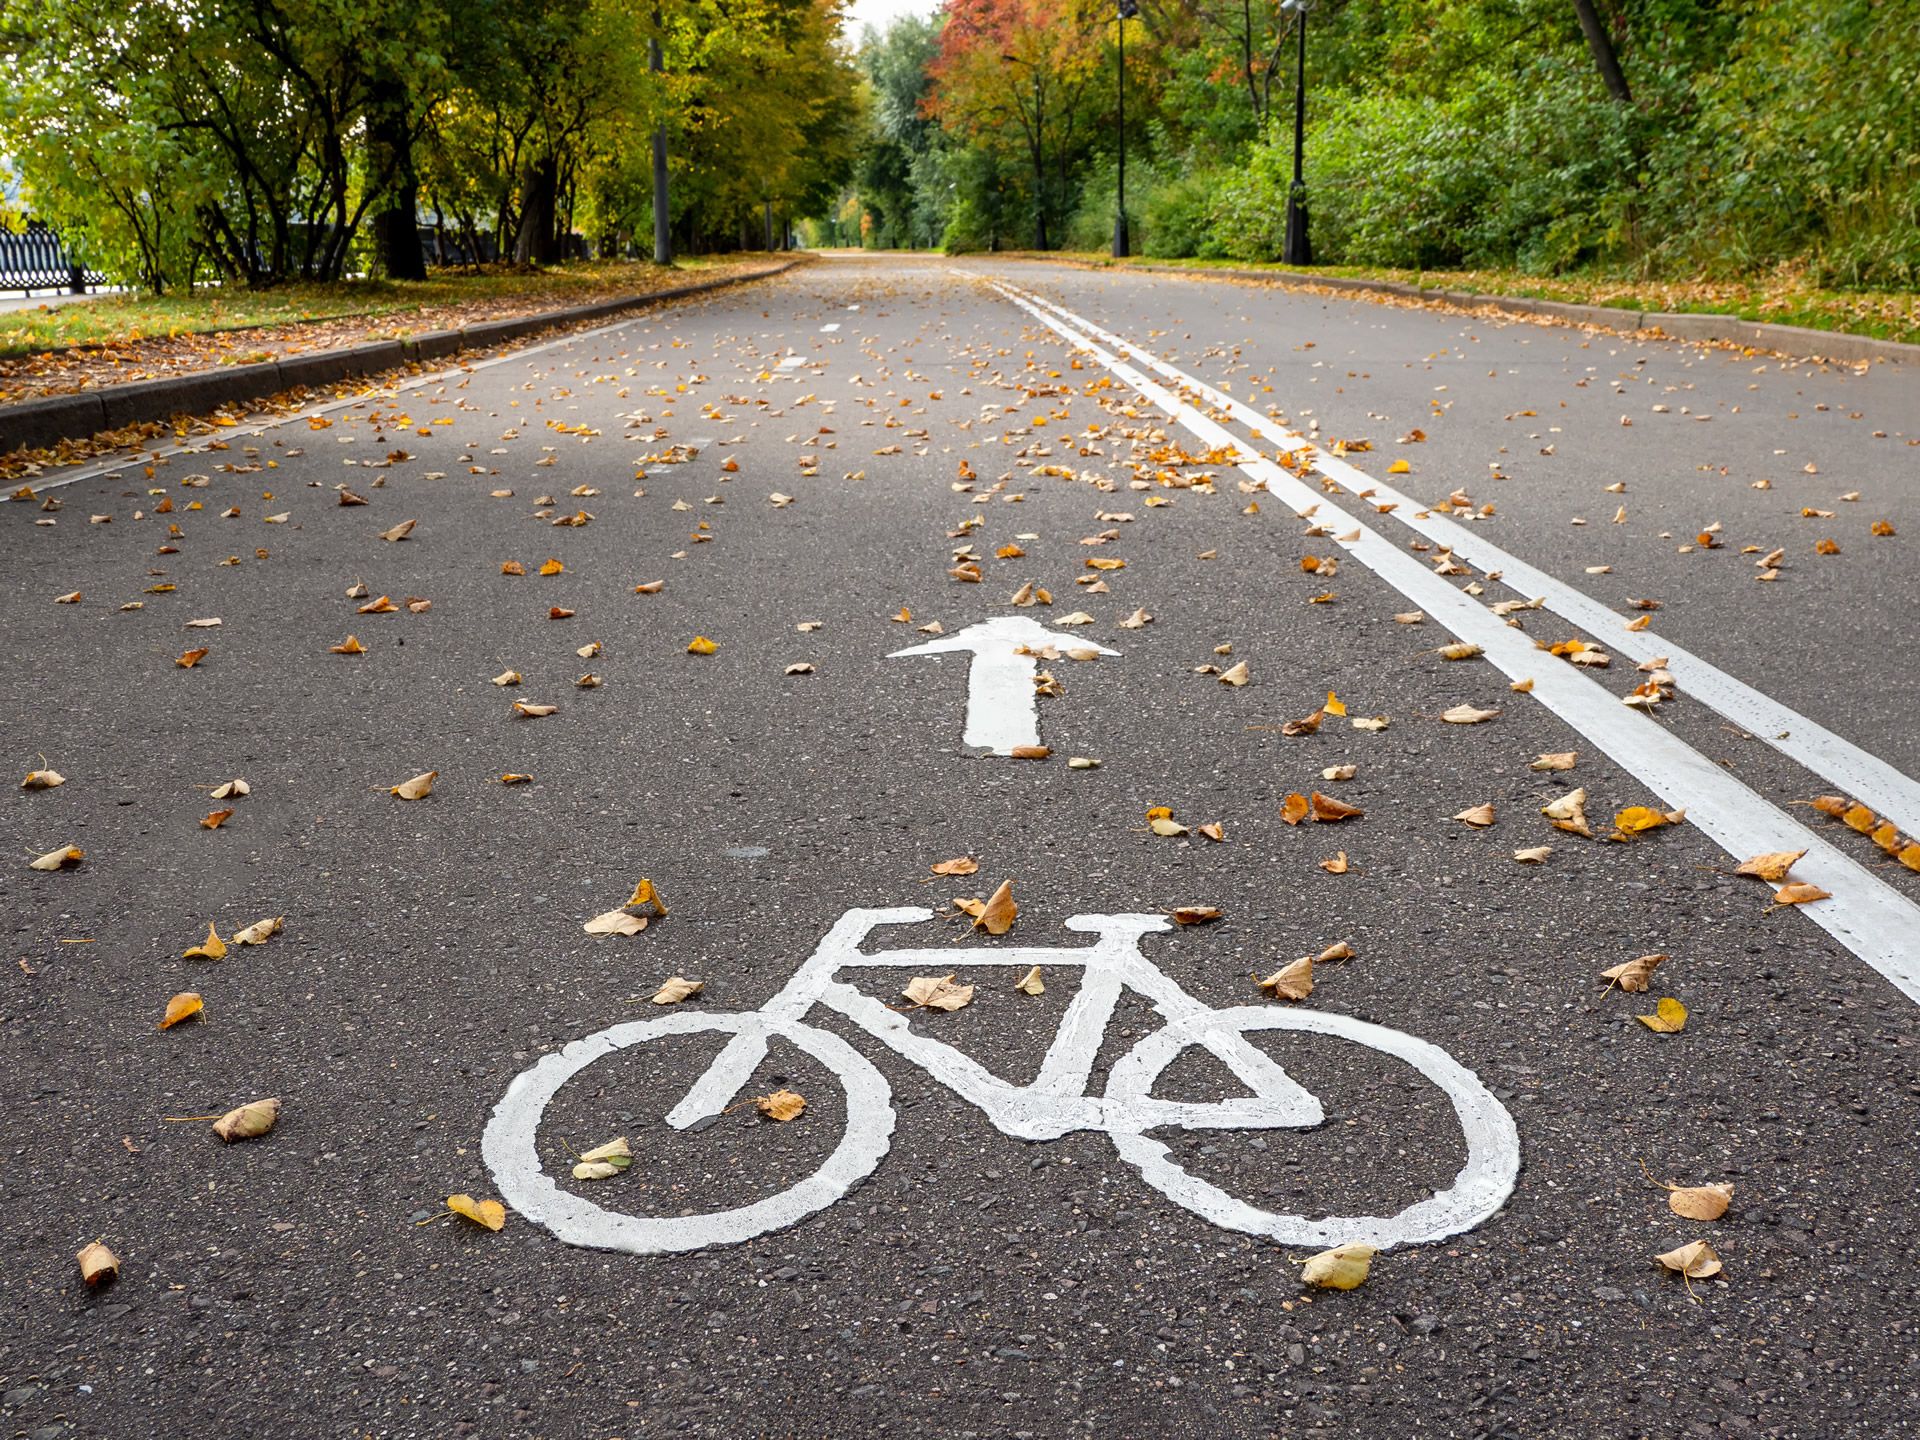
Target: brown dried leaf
point(1294, 808)
point(676, 989)
point(1291, 982)
point(781, 1105)
point(938, 992)
point(1696, 1261)
point(1195, 914)
point(183, 1006)
point(1771, 867)
point(1699, 1202)
point(249, 1121)
point(1328, 809)
point(1335, 864)
point(996, 918)
point(963, 865)
point(418, 788)
point(1634, 974)
point(1478, 816)
point(98, 1265)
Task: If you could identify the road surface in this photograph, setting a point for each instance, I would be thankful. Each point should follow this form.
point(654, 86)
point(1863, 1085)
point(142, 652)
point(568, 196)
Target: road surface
point(809, 473)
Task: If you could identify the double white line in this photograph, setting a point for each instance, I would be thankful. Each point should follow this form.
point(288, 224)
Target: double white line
point(1868, 916)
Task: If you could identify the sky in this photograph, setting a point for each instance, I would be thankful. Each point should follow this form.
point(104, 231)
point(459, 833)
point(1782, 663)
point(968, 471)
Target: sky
point(878, 12)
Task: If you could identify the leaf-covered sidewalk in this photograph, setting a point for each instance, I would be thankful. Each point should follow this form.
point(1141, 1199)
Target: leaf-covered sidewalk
point(113, 340)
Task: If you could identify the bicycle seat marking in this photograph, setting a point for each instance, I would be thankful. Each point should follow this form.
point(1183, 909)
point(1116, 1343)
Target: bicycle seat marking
point(1054, 1104)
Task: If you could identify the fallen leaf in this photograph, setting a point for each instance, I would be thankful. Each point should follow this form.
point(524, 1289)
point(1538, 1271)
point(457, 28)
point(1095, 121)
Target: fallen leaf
point(42, 780)
point(996, 918)
point(400, 531)
point(210, 623)
point(1213, 830)
point(962, 865)
point(1294, 808)
point(1533, 854)
point(72, 597)
point(1699, 1202)
point(603, 1162)
point(1634, 974)
point(183, 1006)
point(383, 606)
point(512, 567)
point(1082, 762)
point(650, 587)
point(1195, 914)
point(1479, 815)
point(211, 948)
point(507, 677)
point(676, 989)
point(98, 1265)
point(615, 922)
point(418, 788)
point(551, 566)
point(1411, 617)
point(1335, 864)
point(700, 645)
point(1637, 818)
point(1554, 760)
point(231, 788)
point(249, 1121)
point(1771, 867)
point(511, 778)
point(1370, 722)
point(58, 859)
point(1569, 813)
point(191, 658)
point(488, 1213)
point(1235, 677)
point(215, 819)
point(1459, 650)
point(938, 992)
point(1696, 1261)
point(1669, 1017)
point(1135, 621)
point(1291, 982)
point(1345, 1266)
point(1328, 809)
point(349, 646)
point(1306, 725)
point(536, 712)
point(1466, 715)
point(1800, 893)
point(260, 931)
point(1030, 752)
point(780, 1105)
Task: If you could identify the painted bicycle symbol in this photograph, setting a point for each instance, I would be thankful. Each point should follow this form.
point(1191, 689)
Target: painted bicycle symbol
point(1056, 1103)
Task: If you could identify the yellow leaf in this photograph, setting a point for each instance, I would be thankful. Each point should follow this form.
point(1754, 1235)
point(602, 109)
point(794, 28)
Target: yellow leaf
point(260, 931)
point(58, 859)
point(780, 1105)
point(488, 1213)
point(1236, 677)
point(1636, 818)
point(1291, 982)
point(1633, 975)
point(1333, 705)
point(1294, 808)
point(1031, 983)
point(603, 1162)
point(1696, 1261)
point(673, 992)
point(247, 1122)
point(1459, 650)
point(615, 922)
point(1479, 816)
point(1669, 1017)
point(998, 915)
point(212, 948)
point(418, 788)
point(42, 780)
point(700, 645)
point(349, 646)
point(98, 1265)
point(938, 992)
point(963, 865)
point(644, 893)
point(1195, 914)
point(1345, 1266)
point(1162, 826)
point(181, 1007)
point(1800, 893)
point(1699, 1202)
point(1335, 864)
point(215, 819)
point(551, 566)
point(1771, 867)
point(1327, 809)
point(1398, 467)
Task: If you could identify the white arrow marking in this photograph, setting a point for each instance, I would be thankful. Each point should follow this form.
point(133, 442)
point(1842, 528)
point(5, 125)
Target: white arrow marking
point(1001, 710)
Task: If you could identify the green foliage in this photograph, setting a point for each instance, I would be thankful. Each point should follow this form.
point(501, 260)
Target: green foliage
point(1441, 133)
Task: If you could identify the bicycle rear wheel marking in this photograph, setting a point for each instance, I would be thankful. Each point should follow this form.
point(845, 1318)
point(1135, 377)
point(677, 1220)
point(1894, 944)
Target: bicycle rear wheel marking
point(509, 1144)
point(1477, 1193)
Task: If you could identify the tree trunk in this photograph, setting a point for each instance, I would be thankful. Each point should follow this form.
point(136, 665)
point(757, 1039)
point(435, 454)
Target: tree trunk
point(535, 242)
point(397, 252)
point(1601, 44)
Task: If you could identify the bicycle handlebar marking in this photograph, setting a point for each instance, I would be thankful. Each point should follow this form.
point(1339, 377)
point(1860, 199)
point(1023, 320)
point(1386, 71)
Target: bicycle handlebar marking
point(1054, 1104)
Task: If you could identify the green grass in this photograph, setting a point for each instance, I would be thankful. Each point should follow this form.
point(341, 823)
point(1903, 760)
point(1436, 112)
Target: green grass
point(1784, 298)
point(122, 319)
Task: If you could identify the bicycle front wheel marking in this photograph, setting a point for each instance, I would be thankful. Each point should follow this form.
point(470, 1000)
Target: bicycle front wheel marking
point(510, 1149)
point(1477, 1192)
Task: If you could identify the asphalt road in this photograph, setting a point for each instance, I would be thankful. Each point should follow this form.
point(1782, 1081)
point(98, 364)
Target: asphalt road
point(975, 1284)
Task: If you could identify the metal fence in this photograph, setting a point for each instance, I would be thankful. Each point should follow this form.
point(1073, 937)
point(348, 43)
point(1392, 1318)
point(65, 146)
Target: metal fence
point(34, 259)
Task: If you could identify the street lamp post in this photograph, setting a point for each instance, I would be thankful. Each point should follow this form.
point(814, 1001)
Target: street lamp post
point(1299, 250)
point(662, 218)
point(1126, 10)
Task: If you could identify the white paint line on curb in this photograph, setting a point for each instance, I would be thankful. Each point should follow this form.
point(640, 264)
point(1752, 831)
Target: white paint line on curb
point(1866, 915)
point(1863, 776)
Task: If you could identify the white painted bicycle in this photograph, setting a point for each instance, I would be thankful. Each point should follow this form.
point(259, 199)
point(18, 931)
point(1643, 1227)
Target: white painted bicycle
point(1055, 1104)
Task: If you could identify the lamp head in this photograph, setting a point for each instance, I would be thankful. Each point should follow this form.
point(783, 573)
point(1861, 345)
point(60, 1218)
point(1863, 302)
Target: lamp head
point(1128, 8)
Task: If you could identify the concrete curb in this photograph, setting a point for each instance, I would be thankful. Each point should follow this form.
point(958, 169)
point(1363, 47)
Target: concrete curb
point(47, 420)
point(1796, 341)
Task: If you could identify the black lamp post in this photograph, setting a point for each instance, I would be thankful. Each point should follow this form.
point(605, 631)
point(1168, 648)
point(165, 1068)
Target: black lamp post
point(1126, 10)
point(1299, 250)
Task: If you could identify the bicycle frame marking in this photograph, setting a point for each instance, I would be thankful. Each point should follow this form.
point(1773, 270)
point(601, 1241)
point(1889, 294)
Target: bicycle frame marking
point(1054, 1104)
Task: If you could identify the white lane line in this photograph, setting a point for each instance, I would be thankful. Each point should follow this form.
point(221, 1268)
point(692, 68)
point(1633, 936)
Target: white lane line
point(829, 329)
point(1865, 914)
point(1863, 776)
